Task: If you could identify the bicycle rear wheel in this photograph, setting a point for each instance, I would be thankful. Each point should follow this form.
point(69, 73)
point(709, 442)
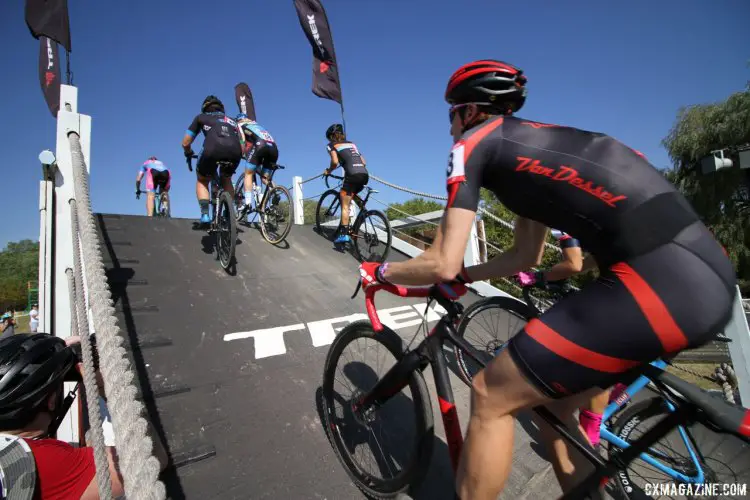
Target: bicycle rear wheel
point(498, 318)
point(372, 237)
point(226, 231)
point(239, 196)
point(402, 459)
point(328, 214)
point(164, 207)
point(276, 215)
point(673, 452)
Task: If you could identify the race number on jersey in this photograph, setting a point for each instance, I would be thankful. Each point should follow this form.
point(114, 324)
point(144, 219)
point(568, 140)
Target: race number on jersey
point(456, 173)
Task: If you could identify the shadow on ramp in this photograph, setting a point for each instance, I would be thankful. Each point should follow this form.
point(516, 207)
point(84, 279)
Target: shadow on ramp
point(118, 289)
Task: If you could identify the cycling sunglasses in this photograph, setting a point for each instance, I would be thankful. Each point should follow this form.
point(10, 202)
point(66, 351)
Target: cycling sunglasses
point(453, 109)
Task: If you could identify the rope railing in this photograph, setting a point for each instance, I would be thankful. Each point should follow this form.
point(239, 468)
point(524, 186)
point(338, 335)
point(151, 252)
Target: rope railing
point(80, 322)
point(137, 464)
point(439, 198)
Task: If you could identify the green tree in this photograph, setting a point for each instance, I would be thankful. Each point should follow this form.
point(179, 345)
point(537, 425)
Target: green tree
point(19, 264)
point(721, 198)
point(415, 206)
point(420, 235)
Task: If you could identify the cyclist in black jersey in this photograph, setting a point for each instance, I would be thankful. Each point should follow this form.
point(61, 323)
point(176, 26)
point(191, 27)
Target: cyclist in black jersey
point(665, 283)
point(222, 143)
point(345, 154)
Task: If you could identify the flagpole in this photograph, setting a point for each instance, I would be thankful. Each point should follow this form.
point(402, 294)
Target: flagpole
point(343, 120)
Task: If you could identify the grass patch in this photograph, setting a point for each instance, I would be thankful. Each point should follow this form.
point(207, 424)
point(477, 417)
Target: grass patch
point(704, 369)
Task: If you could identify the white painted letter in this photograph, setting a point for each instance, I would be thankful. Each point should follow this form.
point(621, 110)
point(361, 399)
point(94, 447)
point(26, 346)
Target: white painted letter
point(323, 332)
point(391, 320)
point(268, 342)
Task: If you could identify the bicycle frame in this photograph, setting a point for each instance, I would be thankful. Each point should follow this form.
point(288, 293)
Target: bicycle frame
point(361, 203)
point(268, 186)
point(640, 383)
point(429, 351)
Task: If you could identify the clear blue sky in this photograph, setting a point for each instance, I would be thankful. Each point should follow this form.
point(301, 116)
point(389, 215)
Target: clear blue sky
point(144, 67)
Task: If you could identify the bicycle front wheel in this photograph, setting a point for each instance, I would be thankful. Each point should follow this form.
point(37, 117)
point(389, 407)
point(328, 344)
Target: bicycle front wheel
point(487, 324)
point(276, 215)
point(372, 237)
point(396, 438)
point(226, 231)
point(328, 214)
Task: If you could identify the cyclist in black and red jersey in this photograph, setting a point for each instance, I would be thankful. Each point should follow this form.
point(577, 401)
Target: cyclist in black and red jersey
point(665, 283)
point(345, 154)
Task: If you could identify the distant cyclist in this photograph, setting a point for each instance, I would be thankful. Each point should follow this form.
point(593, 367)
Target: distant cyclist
point(260, 151)
point(345, 154)
point(157, 175)
point(665, 284)
point(222, 143)
point(590, 416)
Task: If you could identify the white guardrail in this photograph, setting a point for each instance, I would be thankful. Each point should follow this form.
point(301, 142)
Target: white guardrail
point(471, 256)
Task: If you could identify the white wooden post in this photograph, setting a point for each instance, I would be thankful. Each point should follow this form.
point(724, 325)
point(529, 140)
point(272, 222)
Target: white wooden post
point(299, 205)
point(68, 120)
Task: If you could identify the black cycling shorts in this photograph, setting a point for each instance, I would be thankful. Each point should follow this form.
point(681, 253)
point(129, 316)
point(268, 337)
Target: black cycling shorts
point(207, 162)
point(160, 179)
point(264, 154)
point(355, 183)
point(677, 296)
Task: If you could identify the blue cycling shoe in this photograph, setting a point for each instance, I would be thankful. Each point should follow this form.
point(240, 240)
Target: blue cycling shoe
point(342, 238)
point(205, 219)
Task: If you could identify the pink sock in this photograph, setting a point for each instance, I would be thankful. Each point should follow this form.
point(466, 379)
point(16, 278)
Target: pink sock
point(591, 422)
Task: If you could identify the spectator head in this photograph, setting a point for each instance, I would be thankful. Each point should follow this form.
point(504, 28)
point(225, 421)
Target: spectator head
point(33, 368)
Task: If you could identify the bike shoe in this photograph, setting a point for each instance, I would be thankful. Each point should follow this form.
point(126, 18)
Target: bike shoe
point(205, 219)
point(342, 238)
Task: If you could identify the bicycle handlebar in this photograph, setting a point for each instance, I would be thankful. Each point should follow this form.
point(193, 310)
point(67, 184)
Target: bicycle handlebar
point(331, 175)
point(449, 291)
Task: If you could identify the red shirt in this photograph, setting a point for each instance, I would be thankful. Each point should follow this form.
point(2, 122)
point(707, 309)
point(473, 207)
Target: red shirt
point(63, 472)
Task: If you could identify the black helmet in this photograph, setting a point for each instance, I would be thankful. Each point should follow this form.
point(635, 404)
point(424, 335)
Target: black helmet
point(32, 367)
point(336, 127)
point(152, 158)
point(490, 82)
point(212, 101)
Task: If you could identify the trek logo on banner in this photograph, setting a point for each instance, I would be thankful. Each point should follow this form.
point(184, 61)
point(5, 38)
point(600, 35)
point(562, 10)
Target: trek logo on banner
point(49, 73)
point(270, 341)
point(314, 22)
point(316, 36)
point(244, 97)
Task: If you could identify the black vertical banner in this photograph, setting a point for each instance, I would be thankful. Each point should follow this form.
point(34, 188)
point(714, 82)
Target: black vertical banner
point(314, 22)
point(49, 73)
point(244, 97)
point(49, 18)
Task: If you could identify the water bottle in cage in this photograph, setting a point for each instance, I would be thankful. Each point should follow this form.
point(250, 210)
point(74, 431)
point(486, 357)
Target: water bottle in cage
point(256, 195)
